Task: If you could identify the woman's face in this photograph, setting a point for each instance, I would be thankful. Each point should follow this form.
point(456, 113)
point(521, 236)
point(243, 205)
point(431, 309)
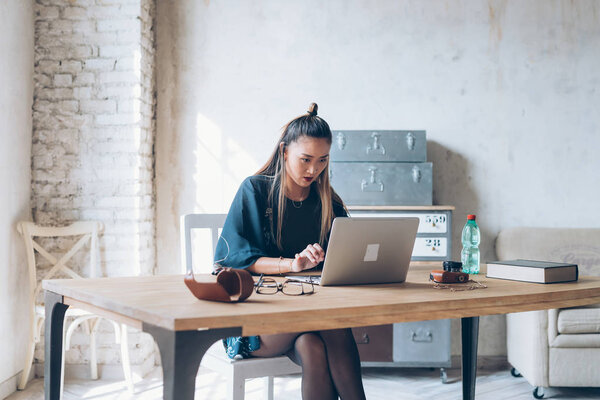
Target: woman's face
point(305, 160)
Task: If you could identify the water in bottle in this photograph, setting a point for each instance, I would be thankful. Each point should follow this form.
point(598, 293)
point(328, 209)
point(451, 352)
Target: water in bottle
point(470, 251)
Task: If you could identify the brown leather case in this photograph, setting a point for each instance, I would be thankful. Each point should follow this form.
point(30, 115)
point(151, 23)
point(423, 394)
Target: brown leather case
point(232, 285)
point(448, 277)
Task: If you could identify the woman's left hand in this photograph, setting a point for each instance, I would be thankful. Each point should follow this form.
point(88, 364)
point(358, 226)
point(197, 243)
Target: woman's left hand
point(308, 258)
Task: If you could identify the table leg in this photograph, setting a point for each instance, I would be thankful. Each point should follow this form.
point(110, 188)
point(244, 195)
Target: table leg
point(53, 342)
point(469, 331)
point(180, 355)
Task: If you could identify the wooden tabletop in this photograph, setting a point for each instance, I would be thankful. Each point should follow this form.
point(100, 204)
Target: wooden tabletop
point(165, 301)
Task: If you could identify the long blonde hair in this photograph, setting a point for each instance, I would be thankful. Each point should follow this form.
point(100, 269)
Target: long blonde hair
point(307, 125)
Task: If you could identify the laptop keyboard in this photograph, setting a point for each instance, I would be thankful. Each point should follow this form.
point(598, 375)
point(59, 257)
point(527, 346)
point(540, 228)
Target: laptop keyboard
point(303, 278)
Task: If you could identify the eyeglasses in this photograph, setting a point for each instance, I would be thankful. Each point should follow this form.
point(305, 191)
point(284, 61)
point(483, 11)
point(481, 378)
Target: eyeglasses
point(289, 287)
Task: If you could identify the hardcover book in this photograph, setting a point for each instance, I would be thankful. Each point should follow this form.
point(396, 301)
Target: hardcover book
point(532, 271)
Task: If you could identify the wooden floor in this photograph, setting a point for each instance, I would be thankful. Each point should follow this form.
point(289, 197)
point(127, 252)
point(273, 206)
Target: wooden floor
point(380, 384)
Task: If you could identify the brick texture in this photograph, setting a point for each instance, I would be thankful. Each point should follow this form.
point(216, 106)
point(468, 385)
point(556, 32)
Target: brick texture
point(93, 139)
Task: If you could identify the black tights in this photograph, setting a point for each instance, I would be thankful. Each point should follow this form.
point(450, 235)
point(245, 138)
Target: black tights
point(329, 360)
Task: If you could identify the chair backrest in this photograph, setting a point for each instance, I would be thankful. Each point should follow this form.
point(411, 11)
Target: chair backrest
point(579, 246)
point(188, 222)
point(88, 230)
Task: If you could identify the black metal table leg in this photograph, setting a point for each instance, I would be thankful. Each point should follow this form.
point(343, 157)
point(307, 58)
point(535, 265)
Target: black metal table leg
point(53, 342)
point(469, 332)
point(180, 354)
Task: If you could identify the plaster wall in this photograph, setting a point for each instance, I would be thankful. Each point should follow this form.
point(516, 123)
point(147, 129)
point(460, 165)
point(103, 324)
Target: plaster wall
point(507, 91)
point(16, 96)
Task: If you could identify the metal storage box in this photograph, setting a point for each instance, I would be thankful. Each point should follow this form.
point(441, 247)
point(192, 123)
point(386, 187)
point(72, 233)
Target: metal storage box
point(434, 235)
point(386, 173)
point(423, 343)
point(376, 183)
point(375, 343)
point(382, 146)
point(381, 167)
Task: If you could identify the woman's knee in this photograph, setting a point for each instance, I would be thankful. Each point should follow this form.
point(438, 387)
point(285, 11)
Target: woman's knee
point(311, 349)
point(275, 345)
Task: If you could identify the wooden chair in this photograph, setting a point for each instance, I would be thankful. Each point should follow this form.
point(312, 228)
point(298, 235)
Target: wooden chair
point(88, 232)
point(215, 358)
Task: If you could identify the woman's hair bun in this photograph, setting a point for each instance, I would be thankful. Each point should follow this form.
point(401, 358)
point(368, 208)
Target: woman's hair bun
point(312, 109)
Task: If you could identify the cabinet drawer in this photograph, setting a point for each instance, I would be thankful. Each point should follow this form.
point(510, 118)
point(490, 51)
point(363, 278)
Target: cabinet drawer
point(403, 146)
point(428, 223)
point(426, 342)
point(375, 343)
point(431, 247)
point(382, 183)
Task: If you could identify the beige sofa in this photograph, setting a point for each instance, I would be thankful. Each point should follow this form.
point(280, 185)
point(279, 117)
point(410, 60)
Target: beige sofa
point(559, 347)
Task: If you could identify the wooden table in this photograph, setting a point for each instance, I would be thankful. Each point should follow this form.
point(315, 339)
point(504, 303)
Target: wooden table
point(184, 327)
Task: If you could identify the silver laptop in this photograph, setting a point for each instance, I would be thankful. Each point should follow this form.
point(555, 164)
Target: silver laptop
point(367, 250)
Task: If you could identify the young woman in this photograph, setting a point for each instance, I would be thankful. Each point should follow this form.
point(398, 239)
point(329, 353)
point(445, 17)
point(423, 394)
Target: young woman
point(279, 222)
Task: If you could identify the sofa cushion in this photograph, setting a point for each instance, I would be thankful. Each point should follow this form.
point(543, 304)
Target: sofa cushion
point(577, 340)
point(579, 320)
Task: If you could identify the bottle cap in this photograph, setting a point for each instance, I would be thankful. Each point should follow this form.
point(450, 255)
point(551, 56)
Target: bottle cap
point(471, 217)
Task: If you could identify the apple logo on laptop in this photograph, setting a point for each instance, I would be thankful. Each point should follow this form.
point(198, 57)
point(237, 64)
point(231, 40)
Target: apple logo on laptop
point(372, 252)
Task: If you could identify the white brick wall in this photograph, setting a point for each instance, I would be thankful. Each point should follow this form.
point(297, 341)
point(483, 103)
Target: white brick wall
point(93, 137)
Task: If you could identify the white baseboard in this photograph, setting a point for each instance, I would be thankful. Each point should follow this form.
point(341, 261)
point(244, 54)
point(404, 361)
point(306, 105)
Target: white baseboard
point(484, 362)
point(9, 386)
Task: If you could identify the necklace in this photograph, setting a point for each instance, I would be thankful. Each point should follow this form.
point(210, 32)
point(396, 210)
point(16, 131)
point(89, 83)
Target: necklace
point(297, 204)
point(473, 285)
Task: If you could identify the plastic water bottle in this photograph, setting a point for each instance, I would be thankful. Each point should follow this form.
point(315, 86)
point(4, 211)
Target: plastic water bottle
point(470, 251)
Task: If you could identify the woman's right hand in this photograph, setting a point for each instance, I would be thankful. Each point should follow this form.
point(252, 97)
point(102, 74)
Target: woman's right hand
point(308, 258)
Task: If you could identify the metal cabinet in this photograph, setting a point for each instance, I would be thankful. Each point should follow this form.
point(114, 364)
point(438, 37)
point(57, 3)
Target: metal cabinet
point(375, 183)
point(381, 167)
point(386, 173)
point(434, 235)
point(421, 343)
point(379, 146)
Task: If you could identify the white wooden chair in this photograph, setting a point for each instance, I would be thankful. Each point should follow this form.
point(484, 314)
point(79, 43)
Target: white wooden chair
point(215, 358)
point(88, 232)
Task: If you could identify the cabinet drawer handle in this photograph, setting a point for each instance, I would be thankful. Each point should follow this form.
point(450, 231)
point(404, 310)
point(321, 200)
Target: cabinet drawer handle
point(421, 336)
point(376, 147)
point(341, 140)
point(372, 184)
point(416, 174)
point(410, 141)
point(364, 339)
